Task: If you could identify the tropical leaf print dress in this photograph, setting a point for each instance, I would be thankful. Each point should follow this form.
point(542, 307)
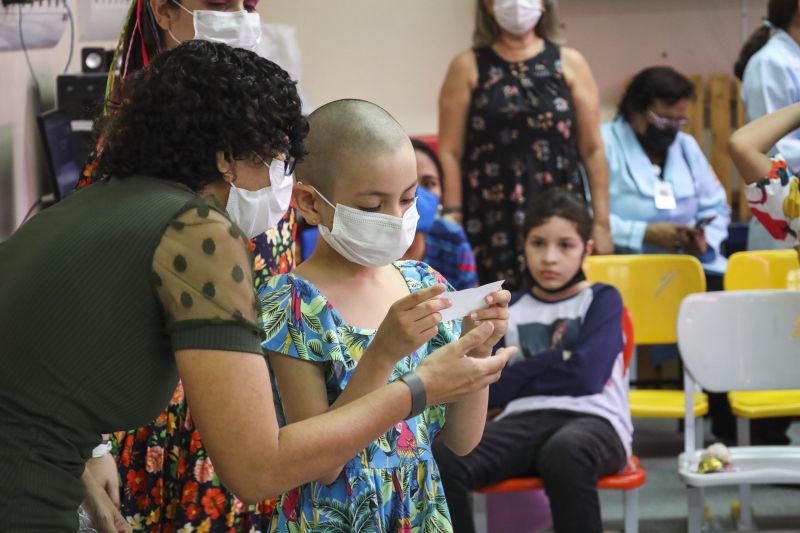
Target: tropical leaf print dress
point(393, 485)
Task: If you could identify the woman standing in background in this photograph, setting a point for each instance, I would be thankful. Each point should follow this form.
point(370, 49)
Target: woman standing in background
point(769, 67)
point(518, 114)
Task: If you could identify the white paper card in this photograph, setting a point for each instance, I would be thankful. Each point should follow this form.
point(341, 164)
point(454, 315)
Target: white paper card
point(665, 198)
point(468, 300)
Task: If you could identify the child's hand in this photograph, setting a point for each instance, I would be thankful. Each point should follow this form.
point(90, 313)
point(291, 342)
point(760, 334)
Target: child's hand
point(497, 314)
point(411, 322)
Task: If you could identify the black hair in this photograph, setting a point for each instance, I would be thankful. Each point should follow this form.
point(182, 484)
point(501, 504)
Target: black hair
point(193, 101)
point(421, 146)
point(780, 14)
point(558, 202)
point(555, 202)
point(651, 84)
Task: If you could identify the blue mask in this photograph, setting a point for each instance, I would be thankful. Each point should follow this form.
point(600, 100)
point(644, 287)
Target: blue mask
point(428, 207)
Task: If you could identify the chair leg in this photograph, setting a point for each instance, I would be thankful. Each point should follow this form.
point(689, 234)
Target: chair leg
point(694, 522)
point(699, 433)
point(631, 506)
point(480, 514)
point(743, 439)
point(742, 431)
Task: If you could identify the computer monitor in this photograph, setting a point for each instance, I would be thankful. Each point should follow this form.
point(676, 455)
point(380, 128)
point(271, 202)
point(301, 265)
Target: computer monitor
point(59, 148)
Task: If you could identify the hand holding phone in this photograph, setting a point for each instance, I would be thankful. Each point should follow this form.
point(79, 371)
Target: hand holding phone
point(705, 221)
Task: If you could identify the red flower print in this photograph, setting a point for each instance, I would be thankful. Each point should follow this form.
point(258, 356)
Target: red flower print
point(142, 501)
point(155, 459)
point(195, 443)
point(192, 512)
point(136, 480)
point(214, 503)
point(181, 466)
point(158, 492)
point(141, 434)
point(189, 492)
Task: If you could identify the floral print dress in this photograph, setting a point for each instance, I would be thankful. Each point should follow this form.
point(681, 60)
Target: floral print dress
point(393, 485)
point(520, 139)
point(775, 202)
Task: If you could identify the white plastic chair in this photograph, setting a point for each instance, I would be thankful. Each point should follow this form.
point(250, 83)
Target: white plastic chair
point(745, 340)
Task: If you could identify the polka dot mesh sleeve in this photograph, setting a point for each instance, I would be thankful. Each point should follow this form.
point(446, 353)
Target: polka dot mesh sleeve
point(202, 275)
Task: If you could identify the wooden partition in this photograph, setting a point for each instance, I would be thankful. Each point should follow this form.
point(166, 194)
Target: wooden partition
point(718, 109)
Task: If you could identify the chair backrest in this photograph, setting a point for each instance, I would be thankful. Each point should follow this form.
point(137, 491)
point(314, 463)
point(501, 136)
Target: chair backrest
point(763, 269)
point(627, 331)
point(652, 287)
point(742, 340)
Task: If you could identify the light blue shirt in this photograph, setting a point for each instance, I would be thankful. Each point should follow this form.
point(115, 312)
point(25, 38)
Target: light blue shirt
point(772, 81)
point(632, 180)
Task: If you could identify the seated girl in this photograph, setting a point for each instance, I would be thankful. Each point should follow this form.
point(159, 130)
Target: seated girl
point(564, 401)
point(349, 319)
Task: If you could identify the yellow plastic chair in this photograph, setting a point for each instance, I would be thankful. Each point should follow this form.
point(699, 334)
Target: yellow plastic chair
point(761, 270)
point(652, 287)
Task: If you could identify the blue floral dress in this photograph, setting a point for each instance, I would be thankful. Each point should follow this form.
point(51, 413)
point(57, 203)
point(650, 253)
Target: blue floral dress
point(393, 485)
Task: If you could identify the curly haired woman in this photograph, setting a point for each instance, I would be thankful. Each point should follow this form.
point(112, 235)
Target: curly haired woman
point(164, 465)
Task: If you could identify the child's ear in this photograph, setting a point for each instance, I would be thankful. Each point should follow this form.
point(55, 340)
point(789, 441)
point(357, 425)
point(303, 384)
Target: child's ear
point(305, 201)
point(589, 247)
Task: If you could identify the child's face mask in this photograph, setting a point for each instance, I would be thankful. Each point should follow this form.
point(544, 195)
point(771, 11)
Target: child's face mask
point(238, 29)
point(369, 239)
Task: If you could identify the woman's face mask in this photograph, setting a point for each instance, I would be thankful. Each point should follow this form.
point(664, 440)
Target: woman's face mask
point(258, 211)
point(657, 140)
point(517, 16)
point(369, 239)
point(238, 29)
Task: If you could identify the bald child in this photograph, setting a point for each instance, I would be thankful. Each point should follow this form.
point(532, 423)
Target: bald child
point(353, 316)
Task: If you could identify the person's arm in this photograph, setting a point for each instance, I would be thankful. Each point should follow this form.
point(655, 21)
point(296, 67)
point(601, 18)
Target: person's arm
point(454, 102)
point(581, 371)
point(749, 145)
point(590, 143)
point(466, 418)
point(410, 323)
point(231, 401)
point(776, 91)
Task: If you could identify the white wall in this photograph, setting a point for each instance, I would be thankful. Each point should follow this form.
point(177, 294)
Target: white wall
point(395, 53)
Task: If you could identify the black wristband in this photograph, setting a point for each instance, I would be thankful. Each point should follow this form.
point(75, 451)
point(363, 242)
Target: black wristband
point(419, 399)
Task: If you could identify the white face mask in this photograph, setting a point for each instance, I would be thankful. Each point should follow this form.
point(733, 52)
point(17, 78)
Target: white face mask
point(238, 29)
point(257, 211)
point(517, 16)
point(369, 239)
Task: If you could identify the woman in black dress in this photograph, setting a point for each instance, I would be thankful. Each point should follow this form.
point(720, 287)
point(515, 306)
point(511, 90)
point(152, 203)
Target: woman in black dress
point(518, 114)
